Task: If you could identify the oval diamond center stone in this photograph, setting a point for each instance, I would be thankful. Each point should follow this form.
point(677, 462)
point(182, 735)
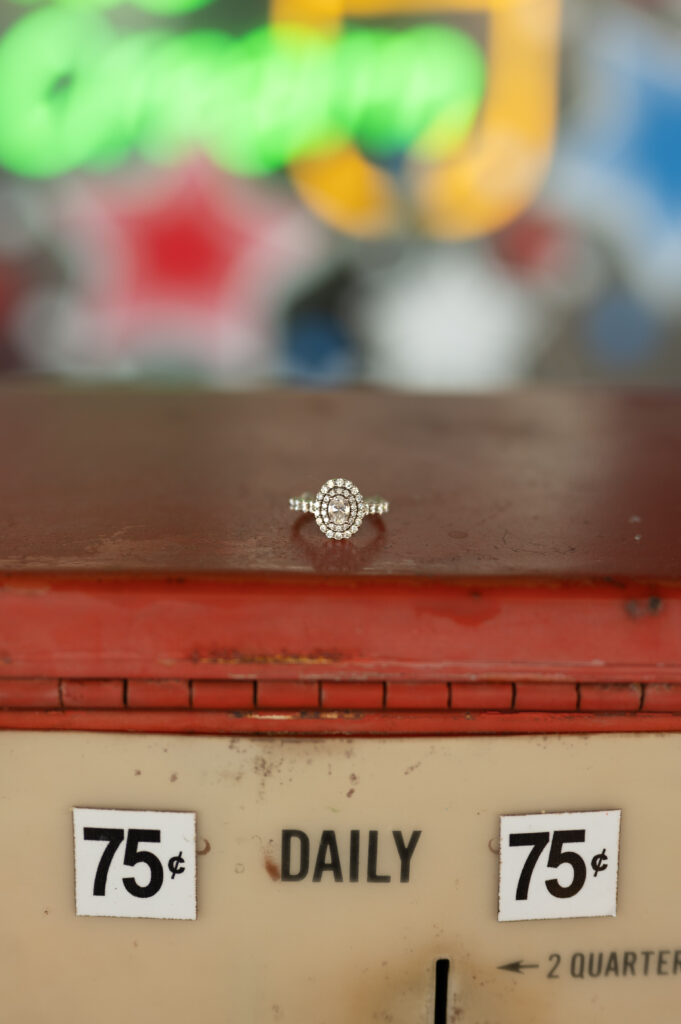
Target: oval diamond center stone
point(339, 510)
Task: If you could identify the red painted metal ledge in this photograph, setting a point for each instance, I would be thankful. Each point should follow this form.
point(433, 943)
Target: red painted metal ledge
point(152, 577)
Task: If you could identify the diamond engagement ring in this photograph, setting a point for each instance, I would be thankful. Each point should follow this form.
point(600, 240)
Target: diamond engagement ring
point(339, 508)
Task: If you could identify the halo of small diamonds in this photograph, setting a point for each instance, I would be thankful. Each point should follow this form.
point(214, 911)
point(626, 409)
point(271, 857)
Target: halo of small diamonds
point(339, 509)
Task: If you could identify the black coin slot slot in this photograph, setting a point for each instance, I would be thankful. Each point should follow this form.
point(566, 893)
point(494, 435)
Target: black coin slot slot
point(441, 991)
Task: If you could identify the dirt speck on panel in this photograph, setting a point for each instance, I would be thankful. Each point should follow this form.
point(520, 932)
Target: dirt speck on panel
point(263, 767)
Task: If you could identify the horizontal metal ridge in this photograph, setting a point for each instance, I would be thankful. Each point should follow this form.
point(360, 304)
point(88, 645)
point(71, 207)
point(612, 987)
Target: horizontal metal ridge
point(378, 698)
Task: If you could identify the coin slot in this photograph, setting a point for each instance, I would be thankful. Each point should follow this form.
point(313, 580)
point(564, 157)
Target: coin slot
point(441, 991)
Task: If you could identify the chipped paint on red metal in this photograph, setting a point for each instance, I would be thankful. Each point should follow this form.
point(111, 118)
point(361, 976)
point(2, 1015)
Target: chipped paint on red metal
point(338, 628)
point(339, 723)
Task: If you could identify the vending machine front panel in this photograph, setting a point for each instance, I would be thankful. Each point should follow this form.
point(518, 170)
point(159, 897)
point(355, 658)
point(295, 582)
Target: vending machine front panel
point(428, 774)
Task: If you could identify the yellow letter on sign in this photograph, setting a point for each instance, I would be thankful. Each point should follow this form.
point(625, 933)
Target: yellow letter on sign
point(485, 181)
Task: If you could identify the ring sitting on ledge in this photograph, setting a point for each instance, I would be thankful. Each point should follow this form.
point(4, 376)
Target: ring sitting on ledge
point(339, 508)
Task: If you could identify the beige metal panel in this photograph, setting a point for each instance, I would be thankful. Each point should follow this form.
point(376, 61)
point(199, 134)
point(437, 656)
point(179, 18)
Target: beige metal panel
point(265, 950)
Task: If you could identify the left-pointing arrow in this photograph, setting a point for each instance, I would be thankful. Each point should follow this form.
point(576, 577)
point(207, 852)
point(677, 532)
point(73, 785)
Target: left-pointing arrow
point(517, 966)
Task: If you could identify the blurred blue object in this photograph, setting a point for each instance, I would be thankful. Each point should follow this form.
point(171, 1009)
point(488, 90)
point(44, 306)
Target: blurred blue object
point(621, 333)
point(318, 350)
point(640, 142)
point(618, 169)
point(652, 151)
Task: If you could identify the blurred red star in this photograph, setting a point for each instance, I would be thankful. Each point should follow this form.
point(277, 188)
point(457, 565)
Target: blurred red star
point(183, 263)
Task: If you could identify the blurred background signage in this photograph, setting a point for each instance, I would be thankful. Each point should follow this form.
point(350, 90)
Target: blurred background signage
point(426, 194)
point(383, 119)
point(463, 182)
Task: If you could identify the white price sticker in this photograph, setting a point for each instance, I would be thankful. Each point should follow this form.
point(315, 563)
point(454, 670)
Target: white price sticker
point(135, 863)
point(558, 865)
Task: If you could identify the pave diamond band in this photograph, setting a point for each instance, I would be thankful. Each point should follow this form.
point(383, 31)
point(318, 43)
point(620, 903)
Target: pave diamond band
point(339, 508)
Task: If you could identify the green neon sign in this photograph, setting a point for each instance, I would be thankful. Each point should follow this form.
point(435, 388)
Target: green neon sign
point(73, 93)
point(167, 8)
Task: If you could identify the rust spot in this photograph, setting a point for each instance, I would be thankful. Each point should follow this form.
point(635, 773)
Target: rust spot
point(137, 771)
point(222, 656)
point(350, 792)
point(173, 777)
point(329, 714)
point(206, 849)
point(272, 868)
point(45, 911)
point(644, 607)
